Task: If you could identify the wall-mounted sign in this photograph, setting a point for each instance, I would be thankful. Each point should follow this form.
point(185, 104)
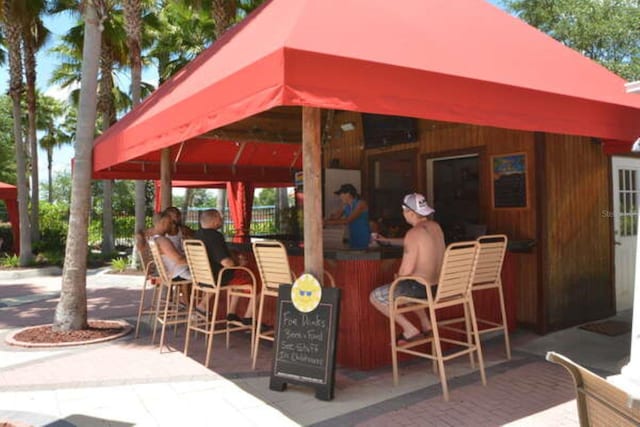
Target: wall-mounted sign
point(509, 175)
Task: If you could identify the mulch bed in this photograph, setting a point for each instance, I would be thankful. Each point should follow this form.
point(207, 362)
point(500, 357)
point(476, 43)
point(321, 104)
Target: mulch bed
point(98, 331)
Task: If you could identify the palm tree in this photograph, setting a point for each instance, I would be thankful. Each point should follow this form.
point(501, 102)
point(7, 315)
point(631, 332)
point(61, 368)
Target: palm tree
point(133, 26)
point(224, 15)
point(109, 95)
point(34, 35)
point(50, 112)
point(11, 12)
point(71, 311)
point(182, 32)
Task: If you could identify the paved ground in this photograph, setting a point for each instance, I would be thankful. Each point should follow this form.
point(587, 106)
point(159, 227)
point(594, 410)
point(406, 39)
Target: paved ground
point(130, 382)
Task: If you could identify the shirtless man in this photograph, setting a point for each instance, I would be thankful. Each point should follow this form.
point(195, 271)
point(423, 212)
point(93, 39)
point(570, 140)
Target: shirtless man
point(177, 232)
point(174, 262)
point(423, 252)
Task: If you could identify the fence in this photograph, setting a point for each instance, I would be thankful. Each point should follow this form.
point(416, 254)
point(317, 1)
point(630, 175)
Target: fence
point(264, 220)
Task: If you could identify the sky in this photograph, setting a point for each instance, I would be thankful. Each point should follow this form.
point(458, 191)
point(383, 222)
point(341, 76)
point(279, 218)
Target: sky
point(46, 62)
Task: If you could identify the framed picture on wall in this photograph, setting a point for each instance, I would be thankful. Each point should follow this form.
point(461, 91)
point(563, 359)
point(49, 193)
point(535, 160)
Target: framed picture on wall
point(509, 180)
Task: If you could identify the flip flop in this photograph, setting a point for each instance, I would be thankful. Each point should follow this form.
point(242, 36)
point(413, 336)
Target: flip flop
point(402, 340)
point(232, 317)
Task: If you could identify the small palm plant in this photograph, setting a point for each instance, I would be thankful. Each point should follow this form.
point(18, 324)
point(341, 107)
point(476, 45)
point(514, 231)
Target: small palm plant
point(10, 261)
point(119, 264)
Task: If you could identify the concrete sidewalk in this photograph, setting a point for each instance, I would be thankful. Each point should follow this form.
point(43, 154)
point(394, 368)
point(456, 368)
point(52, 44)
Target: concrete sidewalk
point(130, 382)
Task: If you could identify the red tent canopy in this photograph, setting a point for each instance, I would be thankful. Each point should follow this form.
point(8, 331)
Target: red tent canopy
point(9, 194)
point(457, 60)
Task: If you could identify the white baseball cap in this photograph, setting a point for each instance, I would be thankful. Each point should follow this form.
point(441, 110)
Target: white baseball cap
point(417, 203)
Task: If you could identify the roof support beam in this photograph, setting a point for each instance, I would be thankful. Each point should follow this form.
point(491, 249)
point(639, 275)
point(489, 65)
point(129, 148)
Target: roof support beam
point(312, 184)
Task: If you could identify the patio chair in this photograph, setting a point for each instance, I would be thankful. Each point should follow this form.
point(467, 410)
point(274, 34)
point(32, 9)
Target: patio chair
point(206, 285)
point(174, 313)
point(453, 289)
point(273, 266)
point(328, 279)
point(600, 403)
point(150, 279)
point(487, 276)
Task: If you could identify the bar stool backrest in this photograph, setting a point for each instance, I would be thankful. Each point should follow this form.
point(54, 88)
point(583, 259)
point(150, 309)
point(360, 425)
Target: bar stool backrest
point(457, 271)
point(144, 252)
point(198, 260)
point(490, 258)
point(157, 260)
point(273, 264)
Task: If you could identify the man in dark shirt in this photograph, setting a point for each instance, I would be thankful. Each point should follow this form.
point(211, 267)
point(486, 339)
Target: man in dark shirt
point(219, 256)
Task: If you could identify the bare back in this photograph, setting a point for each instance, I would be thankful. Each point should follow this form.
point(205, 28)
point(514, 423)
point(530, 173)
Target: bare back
point(423, 251)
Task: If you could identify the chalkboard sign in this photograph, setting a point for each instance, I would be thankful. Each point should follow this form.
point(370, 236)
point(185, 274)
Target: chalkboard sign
point(305, 343)
point(509, 181)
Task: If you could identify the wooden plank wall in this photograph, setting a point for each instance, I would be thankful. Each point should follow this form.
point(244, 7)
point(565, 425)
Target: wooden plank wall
point(578, 235)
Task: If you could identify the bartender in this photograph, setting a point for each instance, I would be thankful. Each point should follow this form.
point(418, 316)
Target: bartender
point(355, 213)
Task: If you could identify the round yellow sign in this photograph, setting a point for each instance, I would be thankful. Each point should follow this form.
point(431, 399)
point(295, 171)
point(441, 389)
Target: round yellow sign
point(306, 293)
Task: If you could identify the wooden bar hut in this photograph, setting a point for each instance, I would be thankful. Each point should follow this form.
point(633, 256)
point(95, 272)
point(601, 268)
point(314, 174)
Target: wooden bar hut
point(500, 112)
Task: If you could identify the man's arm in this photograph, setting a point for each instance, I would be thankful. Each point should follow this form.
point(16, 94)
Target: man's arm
point(167, 249)
point(360, 207)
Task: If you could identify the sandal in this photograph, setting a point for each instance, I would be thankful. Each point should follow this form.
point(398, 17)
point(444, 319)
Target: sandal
point(403, 340)
point(232, 317)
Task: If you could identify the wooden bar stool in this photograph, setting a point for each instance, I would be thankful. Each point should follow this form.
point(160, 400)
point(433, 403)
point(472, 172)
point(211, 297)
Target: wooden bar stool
point(150, 279)
point(206, 286)
point(174, 313)
point(273, 266)
point(454, 289)
point(487, 276)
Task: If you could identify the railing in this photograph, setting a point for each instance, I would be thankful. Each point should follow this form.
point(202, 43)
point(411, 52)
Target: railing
point(264, 220)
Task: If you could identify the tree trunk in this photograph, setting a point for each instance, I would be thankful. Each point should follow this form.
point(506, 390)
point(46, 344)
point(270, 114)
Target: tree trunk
point(12, 33)
point(49, 173)
point(133, 26)
point(223, 13)
point(71, 311)
point(30, 72)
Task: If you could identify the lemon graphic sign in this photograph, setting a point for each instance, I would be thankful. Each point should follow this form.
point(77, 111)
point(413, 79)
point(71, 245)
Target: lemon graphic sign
point(306, 293)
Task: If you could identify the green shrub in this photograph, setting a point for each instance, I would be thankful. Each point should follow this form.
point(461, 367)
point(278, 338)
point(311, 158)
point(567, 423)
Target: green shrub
point(54, 223)
point(10, 261)
point(119, 264)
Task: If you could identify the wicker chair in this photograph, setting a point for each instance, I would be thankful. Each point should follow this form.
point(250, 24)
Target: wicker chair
point(454, 289)
point(206, 285)
point(600, 403)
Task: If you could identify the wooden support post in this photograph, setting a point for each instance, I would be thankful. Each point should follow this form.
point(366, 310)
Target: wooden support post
point(165, 179)
point(312, 187)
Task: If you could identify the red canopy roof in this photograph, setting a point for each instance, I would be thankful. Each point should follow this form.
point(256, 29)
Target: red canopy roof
point(451, 60)
point(8, 191)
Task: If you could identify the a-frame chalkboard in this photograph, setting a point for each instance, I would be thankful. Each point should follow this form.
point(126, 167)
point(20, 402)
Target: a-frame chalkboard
point(304, 350)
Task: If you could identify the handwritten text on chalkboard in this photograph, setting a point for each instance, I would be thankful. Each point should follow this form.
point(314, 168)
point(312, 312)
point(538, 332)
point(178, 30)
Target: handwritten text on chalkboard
point(302, 341)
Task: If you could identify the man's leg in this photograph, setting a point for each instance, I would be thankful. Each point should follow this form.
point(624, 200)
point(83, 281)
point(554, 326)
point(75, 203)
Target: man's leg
point(408, 329)
point(424, 320)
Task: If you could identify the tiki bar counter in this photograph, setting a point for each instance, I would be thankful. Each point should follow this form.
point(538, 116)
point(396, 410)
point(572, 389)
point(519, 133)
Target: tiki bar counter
point(363, 337)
